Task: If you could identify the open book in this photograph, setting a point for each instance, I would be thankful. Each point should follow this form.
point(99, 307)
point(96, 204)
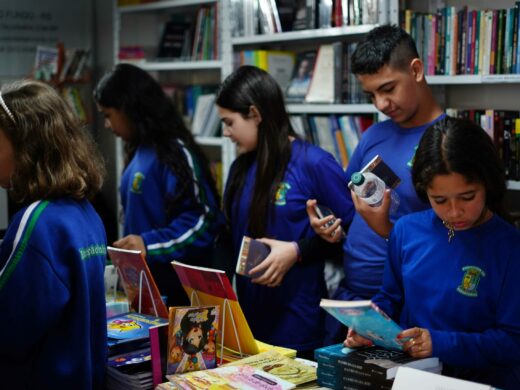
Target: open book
point(138, 283)
point(379, 168)
point(367, 319)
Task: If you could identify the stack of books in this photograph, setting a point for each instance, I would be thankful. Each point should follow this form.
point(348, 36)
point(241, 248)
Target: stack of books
point(363, 368)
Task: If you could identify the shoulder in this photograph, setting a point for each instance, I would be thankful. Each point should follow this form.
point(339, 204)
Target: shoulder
point(414, 222)
point(304, 152)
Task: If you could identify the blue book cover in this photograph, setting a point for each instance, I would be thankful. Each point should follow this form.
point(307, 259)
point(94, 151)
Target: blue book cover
point(131, 325)
point(367, 320)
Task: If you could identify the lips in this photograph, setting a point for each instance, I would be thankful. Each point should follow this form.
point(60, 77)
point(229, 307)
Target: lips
point(459, 225)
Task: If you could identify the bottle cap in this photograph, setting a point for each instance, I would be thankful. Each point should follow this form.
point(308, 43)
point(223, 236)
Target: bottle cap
point(357, 178)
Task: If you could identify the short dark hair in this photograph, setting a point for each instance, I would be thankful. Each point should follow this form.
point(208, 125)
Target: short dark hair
point(460, 146)
point(384, 45)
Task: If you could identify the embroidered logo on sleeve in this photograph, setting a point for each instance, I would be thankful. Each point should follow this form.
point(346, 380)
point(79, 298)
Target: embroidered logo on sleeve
point(137, 183)
point(280, 198)
point(470, 280)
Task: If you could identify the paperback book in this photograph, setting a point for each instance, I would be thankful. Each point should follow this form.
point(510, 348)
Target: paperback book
point(367, 319)
point(252, 252)
point(192, 338)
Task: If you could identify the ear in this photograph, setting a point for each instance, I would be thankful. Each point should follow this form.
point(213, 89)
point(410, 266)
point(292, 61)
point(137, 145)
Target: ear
point(255, 115)
point(417, 69)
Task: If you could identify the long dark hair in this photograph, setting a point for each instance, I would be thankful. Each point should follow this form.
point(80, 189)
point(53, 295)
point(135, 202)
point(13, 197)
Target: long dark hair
point(156, 123)
point(460, 146)
point(246, 87)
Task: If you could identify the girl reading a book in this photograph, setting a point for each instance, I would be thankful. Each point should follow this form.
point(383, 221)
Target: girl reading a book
point(265, 196)
point(52, 258)
point(170, 202)
point(451, 275)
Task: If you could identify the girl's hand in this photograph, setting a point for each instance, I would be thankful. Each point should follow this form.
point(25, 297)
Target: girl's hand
point(282, 257)
point(131, 241)
point(354, 340)
point(420, 343)
point(333, 233)
point(377, 218)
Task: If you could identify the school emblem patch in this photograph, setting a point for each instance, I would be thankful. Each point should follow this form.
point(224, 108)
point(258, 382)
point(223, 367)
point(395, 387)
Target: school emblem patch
point(470, 280)
point(281, 194)
point(137, 183)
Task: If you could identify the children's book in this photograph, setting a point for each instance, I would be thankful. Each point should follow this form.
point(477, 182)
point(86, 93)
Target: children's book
point(131, 326)
point(282, 366)
point(138, 283)
point(301, 77)
point(379, 168)
point(192, 338)
point(210, 287)
point(228, 377)
point(132, 357)
point(252, 252)
point(367, 319)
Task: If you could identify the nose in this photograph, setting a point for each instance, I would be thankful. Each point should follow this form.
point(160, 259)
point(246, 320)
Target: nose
point(225, 131)
point(381, 103)
point(107, 124)
point(455, 209)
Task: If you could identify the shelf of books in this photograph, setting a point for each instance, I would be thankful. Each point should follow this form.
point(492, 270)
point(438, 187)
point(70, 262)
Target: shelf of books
point(475, 79)
point(304, 35)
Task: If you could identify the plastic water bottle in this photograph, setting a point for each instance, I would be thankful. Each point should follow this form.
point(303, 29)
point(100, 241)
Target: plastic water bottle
point(371, 189)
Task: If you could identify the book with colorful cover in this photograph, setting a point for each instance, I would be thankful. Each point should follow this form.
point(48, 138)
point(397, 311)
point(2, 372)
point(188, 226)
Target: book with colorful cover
point(131, 357)
point(159, 352)
point(379, 168)
point(138, 282)
point(209, 287)
point(282, 366)
point(242, 377)
point(131, 326)
point(367, 319)
point(252, 252)
point(192, 338)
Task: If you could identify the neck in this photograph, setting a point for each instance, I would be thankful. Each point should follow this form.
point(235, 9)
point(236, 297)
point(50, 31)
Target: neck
point(427, 111)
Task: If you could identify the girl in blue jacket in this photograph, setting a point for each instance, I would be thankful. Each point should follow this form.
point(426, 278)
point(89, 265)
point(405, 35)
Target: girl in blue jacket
point(451, 276)
point(52, 258)
point(170, 202)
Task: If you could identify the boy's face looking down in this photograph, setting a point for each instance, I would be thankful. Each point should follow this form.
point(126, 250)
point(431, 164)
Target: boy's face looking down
point(397, 92)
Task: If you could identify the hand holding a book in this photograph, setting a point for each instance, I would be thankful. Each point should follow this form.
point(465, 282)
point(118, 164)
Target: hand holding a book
point(377, 218)
point(132, 241)
point(355, 340)
point(419, 344)
point(329, 232)
point(282, 257)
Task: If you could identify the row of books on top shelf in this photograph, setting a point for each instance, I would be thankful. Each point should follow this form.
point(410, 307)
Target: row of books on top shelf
point(503, 126)
point(313, 76)
point(251, 17)
point(467, 41)
point(186, 37)
point(337, 134)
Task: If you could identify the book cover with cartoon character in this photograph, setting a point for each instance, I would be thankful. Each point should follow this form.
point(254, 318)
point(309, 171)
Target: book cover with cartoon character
point(192, 338)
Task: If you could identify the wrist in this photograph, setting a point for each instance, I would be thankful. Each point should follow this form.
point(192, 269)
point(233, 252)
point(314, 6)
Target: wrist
point(298, 252)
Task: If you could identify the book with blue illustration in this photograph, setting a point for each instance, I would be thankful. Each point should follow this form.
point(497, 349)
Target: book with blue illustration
point(131, 326)
point(367, 319)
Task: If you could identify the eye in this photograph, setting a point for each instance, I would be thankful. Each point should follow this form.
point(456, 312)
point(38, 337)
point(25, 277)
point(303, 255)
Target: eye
point(439, 200)
point(388, 89)
point(468, 197)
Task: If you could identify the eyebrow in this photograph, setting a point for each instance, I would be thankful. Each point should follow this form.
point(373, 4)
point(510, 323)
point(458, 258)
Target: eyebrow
point(380, 87)
point(471, 192)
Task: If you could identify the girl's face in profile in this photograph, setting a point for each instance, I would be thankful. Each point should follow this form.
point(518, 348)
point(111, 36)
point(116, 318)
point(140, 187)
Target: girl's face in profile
point(6, 160)
point(458, 202)
point(242, 131)
point(118, 122)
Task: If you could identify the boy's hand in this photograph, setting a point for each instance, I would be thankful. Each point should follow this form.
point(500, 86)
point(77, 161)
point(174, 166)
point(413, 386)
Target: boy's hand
point(132, 241)
point(420, 343)
point(377, 218)
point(354, 340)
point(333, 233)
point(282, 257)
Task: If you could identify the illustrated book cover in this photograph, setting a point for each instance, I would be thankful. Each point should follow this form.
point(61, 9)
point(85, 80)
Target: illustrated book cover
point(252, 252)
point(131, 326)
point(367, 320)
point(227, 377)
point(211, 287)
point(301, 78)
point(281, 366)
point(192, 338)
point(138, 282)
point(379, 168)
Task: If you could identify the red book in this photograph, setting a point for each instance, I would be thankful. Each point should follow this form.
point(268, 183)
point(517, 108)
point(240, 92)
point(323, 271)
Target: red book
point(138, 283)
